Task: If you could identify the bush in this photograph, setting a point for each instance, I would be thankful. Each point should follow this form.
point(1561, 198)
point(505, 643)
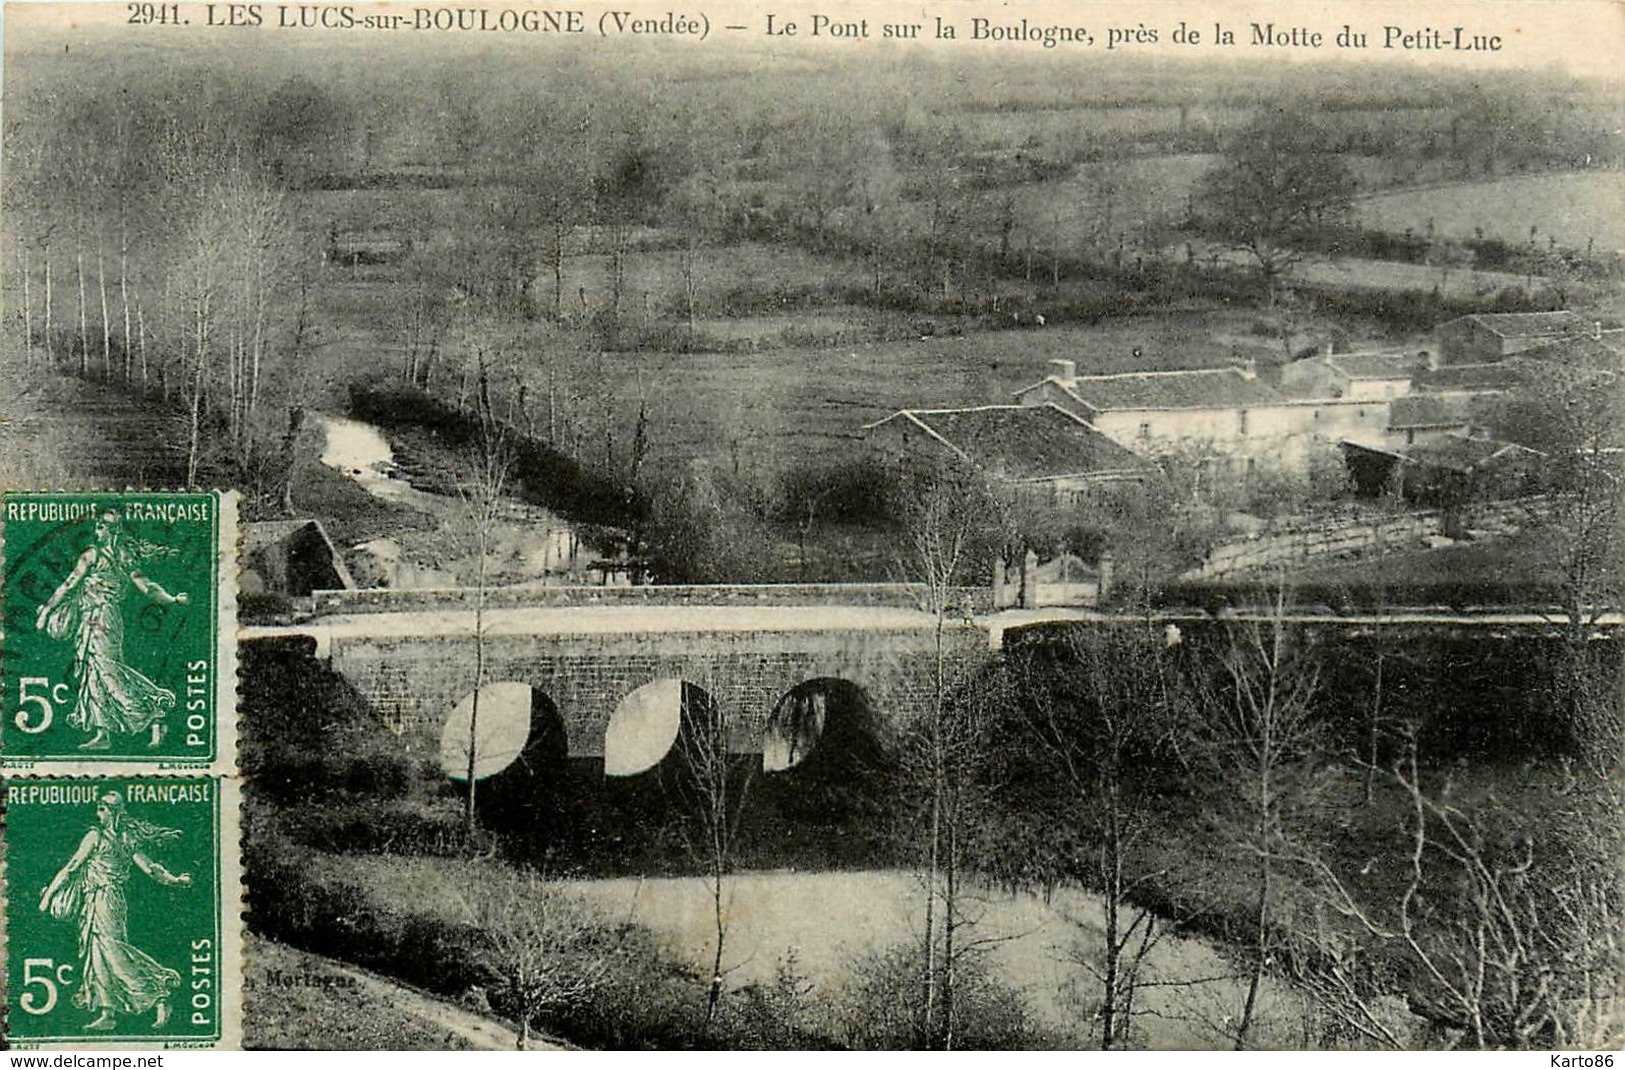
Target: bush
point(876, 1010)
point(307, 732)
point(377, 826)
point(324, 904)
point(860, 491)
point(773, 1017)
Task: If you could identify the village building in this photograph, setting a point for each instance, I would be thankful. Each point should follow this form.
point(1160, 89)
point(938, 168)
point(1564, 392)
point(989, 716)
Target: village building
point(1468, 378)
point(291, 557)
point(1487, 337)
point(1225, 411)
point(1391, 402)
point(1353, 375)
point(1602, 350)
point(1446, 471)
point(1419, 418)
point(1044, 454)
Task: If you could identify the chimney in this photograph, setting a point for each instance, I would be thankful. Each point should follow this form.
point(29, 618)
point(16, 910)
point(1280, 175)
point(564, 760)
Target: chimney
point(1596, 330)
point(1326, 350)
point(1106, 568)
point(1065, 372)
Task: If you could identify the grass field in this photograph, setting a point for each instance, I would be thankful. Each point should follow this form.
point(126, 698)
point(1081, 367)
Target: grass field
point(60, 432)
point(770, 275)
point(296, 1000)
point(796, 402)
point(1576, 209)
point(812, 403)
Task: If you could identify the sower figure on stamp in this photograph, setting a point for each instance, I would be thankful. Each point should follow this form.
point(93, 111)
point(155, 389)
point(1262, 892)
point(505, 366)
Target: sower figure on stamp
point(112, 695)
point(115, 977)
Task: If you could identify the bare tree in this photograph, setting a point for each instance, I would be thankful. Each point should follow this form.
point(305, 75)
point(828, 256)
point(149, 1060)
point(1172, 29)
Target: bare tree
point(1507, 941)
point(231, 263)
point(716, 788)
point(1096, 728)
point(482, 493)
point(1256, 726)
point(949, 524)
point(1276, 187)
point(1575, 415)
point(551, 951)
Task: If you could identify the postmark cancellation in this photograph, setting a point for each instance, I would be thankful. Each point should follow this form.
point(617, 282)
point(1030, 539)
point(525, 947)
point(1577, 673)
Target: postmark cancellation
point(119, 629)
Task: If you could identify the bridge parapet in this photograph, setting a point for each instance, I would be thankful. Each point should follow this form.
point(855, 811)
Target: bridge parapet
point(767, 595)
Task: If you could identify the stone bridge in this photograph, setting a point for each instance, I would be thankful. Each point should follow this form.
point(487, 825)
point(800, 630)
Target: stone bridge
point(587, 653)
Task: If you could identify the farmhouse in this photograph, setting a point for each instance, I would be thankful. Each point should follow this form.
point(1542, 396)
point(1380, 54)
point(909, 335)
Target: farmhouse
point(291, 557)
point(1226, 410)
point(1352, 375)
point(1491, 336)
point(1042, 452)
point(1602, 350)
point(1468, 379)
point(1421, 418)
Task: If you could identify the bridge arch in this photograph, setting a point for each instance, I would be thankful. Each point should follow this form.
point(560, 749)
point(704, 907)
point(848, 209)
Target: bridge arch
point(494, 722)
point(821, 719)
point(644, 727)
point(824, 757)
point(521, 755)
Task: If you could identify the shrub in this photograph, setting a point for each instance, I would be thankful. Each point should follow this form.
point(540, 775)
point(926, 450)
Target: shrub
point(876, 1010)
point(772, 1017)
point(378, 826)
point(307, 732)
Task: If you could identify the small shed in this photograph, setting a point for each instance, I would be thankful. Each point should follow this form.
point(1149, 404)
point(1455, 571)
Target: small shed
point(291, 557)
point(1445, 471)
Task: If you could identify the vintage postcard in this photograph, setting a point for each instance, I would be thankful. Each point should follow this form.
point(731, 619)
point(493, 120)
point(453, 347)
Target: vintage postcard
point(749, 525)
point(121, 919)
point(119, 643)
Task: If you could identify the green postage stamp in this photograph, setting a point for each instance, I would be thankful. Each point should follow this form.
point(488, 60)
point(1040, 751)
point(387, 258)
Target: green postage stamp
point(119, 631)
point(122, 899)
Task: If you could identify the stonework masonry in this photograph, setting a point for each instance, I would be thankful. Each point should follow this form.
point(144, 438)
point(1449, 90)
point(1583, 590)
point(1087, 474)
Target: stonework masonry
point(414, 681)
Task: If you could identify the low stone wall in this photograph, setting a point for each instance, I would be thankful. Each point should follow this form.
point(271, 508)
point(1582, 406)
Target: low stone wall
point(1355, 538)
point(896, 595)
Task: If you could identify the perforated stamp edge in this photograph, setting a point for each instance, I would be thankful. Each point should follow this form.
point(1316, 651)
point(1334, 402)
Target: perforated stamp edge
point(230, 907)
point(227, 551)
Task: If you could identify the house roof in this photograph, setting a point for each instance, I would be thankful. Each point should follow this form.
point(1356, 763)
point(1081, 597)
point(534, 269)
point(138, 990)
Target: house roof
point(1502, 375)
point(1462, 454)
point(1582, 352)
point(1457, 453)
point(1418, 411)
point(1375, 365)
point(1204, 388)
point(1525, 324)
point(1022, 442)
point(258, 533)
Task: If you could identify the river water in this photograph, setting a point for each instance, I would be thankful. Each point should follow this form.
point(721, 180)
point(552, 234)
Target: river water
point(529, 544)
point(1033, 944)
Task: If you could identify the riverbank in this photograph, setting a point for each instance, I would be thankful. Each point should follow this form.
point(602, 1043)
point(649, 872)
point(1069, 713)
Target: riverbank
point(523, 543)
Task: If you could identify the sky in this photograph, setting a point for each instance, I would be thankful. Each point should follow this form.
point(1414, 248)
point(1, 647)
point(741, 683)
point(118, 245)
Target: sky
point(1584, 37)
